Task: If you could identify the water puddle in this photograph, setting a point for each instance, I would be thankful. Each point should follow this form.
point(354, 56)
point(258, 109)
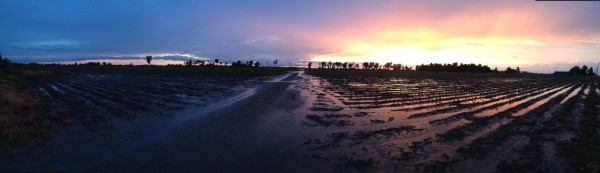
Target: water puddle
point(541, 102)
point(57, 89)
point(43, 90)
point(571, 95)
point(511, 105)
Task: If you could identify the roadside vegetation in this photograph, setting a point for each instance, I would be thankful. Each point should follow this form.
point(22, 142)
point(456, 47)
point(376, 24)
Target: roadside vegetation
point(22, 117)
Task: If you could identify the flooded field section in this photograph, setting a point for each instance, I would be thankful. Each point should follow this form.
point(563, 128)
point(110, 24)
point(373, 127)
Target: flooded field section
point(439, 124)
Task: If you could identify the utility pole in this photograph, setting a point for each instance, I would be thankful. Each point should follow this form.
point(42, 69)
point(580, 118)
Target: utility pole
point(597, 65)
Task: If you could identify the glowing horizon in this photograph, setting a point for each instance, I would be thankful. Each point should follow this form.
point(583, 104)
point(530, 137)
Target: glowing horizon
point(494, 33)
point(505, 35)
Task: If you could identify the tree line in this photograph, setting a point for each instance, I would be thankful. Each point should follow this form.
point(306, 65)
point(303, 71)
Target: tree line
point(365, 66)
point(76, 64)
point(584, 70)
point(454, 67)
point(217, 62)
point(203, 63)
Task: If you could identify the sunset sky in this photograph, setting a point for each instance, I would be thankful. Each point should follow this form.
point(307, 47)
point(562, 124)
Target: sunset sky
point(538, 36)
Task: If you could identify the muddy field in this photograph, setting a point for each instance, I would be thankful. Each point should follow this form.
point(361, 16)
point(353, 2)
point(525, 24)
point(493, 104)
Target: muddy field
point(445, 122)
point(90, 95)
point(315, 120)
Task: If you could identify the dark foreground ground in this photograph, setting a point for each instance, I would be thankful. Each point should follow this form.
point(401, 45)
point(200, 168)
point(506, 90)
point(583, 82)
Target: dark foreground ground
point(179, 119)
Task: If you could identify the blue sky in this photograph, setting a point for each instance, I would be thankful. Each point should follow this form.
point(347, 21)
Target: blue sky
point(535, 35)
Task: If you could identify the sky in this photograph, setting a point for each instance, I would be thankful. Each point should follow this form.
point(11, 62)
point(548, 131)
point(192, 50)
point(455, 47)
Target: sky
point(537, 36)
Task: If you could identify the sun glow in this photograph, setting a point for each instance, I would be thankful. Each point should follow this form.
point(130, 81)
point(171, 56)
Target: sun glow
point(424, 46)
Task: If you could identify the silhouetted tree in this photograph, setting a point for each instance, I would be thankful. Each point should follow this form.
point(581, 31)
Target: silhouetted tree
point(4, 62)
point(148, 59)
point(510, 70)
point(309, 65)
point(216, 61)
point(387, 65)
point(337, 65)
point(583, 70)
point(250, 63)
point(574, 70)
point(188, 63)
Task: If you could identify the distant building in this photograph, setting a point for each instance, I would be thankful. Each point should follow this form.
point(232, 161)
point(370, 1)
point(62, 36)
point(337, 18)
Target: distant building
point(562, 73)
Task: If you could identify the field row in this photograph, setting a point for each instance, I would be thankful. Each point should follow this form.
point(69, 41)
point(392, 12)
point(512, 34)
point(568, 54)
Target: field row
point(432, 124)
point(93, 98)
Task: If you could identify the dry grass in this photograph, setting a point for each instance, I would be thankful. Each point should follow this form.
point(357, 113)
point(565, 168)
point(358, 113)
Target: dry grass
point(12, 100)
point(92, 121)
point(19, 122)
point(61, 115)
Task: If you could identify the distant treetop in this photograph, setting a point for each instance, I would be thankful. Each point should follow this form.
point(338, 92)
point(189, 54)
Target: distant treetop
point(584, 70)
point(456, 67)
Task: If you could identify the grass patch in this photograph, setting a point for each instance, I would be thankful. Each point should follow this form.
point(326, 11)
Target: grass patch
point(19, 121)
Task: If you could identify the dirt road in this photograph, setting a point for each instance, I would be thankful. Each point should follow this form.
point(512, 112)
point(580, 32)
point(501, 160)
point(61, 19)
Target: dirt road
point(226, 139)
